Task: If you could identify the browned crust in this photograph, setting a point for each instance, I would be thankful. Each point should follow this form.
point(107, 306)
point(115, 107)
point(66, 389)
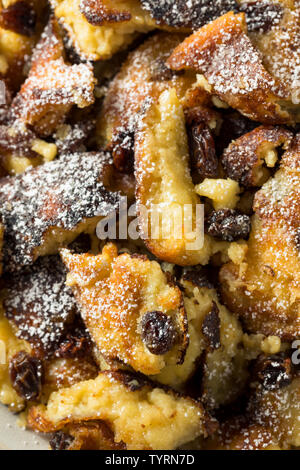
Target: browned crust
point(243, 159)
point(50, 45)
point(138, 81)
point(93, 435)
point(1, 246)
point(291, 158)
point(190, 15)
point(98, 13)
point(52, 86)
point(113, 306)
point(48, 198)
point(20, 23)
point(238, 434)
point(19, 17)
point(262, 16)
point(64, 372)
point(211, 328)
point(223, 53)
point(277, 39)
point(264, 290)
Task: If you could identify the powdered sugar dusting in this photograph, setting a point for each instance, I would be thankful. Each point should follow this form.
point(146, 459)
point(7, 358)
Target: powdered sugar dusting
point(188, 13)
point(40, 304)
point(59, 194)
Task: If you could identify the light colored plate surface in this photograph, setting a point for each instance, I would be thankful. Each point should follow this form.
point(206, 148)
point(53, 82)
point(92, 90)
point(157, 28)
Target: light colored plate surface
point(12, 437)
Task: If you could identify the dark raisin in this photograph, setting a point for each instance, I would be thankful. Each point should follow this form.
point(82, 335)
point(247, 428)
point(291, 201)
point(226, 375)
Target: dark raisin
point(158, 332)
point(123, 151)
point(262, 15)
point(234, 126)
point(60, 441)
point(74, 346)
point(273, 372)
point(76, 342)
point(26, 373)
point(211, 327)
point(18, 17)
point(228, 225)
point(198, 276)
point(204, 163)
point(160, 72)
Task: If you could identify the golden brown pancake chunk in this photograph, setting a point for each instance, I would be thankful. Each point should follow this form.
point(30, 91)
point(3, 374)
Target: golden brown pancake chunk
point(98, 29)
point(233, 68)
point(63, 372)
point(215, 355)
point(264, 288)
point(133, 312)
point(53, 86)
point(164, 186)
point(270, 418)
point(52, 204)
point(243, 160)
point(139, 413)
point(279, 410)
point(277, 36)
point(143, 76)
point(215, 358)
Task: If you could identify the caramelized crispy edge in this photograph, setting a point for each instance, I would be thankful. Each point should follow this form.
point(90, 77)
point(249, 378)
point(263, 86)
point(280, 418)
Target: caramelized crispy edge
point(99, 14)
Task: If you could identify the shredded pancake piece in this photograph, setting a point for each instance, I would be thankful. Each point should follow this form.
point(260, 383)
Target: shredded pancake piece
point(233, 68)
point(143, 76)
point(243, 159)
point(139, 413)
point(52, 86)
point(190, 15)
point(278, 40)
point(164, 185)
point(98, 29)
point(132, 310)
point(40, 305)
point(264, 288)
point(50, 205)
